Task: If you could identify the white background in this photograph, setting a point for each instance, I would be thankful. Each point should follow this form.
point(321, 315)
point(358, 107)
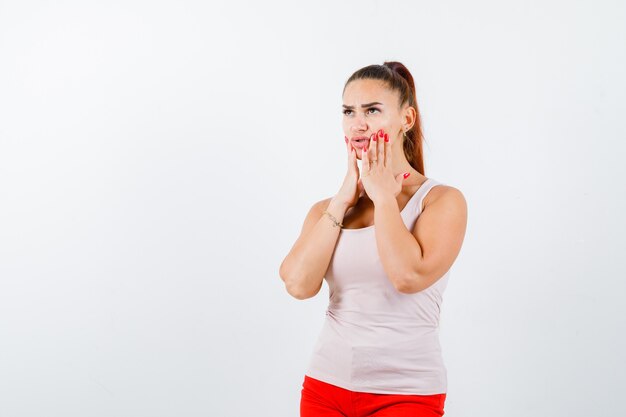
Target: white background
point(157, 160)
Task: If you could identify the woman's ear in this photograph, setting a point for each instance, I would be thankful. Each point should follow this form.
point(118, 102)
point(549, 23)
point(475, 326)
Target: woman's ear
point(409, 116)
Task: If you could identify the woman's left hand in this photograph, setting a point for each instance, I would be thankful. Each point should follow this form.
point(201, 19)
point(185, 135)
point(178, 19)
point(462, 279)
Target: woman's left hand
point(376, 174)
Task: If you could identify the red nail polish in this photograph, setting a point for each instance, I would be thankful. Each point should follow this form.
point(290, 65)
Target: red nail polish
point(375, 138)
point(380, 133)
point(386, 137)
point(406, 174)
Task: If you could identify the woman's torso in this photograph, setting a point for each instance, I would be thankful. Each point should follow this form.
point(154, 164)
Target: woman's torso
point(374, 338)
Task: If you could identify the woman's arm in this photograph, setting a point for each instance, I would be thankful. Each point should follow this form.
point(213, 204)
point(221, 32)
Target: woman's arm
point(415, 260)
point(303, 269)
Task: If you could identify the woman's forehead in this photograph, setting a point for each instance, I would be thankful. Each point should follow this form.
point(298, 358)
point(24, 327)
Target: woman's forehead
point(367, 91)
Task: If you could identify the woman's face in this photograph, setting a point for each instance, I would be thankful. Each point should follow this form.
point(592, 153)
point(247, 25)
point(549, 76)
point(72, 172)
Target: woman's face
point(368, 106)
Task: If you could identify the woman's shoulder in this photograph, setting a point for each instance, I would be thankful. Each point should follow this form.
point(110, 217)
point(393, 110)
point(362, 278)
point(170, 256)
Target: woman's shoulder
point(443, 192)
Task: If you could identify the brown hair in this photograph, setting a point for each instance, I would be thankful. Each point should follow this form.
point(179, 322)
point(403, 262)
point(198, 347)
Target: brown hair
point(398, 78)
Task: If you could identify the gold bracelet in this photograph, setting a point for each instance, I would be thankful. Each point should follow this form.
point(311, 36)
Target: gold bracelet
point(333, 219)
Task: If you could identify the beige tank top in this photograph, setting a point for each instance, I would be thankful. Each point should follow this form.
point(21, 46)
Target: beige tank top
point(374, 338)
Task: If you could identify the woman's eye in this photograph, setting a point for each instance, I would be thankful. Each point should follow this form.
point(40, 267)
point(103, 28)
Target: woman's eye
point(373, 108)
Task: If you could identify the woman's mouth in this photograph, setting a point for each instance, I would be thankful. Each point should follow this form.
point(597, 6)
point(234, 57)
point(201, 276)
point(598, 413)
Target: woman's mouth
point(360, 143)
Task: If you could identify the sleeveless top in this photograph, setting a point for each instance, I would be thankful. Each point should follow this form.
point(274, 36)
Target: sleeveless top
point(374, 338)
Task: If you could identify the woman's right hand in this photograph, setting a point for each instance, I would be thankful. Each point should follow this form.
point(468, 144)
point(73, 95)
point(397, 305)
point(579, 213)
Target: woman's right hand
point(352, 188)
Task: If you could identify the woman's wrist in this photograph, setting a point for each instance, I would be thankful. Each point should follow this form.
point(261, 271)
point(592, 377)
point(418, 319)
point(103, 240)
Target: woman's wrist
point(337, 209)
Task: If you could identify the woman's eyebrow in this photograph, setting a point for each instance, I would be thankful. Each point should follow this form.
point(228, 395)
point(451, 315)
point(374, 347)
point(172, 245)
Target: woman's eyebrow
point(362, 105)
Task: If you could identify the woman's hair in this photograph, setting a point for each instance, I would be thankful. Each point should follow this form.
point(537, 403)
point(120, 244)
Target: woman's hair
point(398, 78)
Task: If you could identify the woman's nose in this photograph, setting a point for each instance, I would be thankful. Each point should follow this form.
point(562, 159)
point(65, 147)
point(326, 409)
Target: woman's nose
point(359, 125)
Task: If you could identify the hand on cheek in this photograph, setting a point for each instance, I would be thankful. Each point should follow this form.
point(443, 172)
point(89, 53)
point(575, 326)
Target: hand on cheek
point(377, 175)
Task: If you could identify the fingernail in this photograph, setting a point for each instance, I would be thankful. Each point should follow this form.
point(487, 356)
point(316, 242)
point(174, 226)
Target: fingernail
point(380, 133)
point(406, 174)
point(365, 149)
point(386, 137)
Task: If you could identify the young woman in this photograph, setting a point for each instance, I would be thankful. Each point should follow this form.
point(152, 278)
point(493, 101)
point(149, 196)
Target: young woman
point(385, 243)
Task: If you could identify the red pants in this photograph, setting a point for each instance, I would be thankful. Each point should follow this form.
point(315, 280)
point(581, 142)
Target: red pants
point(320, 399)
